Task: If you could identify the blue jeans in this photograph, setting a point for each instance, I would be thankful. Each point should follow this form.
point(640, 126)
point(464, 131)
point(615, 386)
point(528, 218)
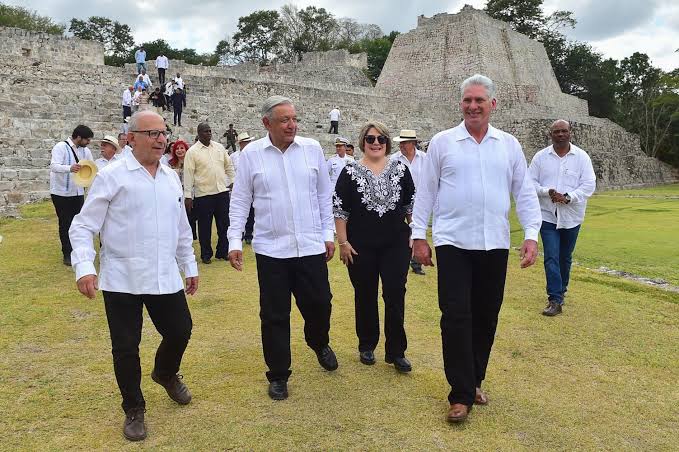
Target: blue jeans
point(558, 246)
point(140, 66)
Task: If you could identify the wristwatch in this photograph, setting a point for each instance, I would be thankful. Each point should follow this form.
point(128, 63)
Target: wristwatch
point(568, 198)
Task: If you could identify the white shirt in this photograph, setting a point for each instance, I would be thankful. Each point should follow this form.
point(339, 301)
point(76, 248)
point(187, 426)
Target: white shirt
point(415, 166)
point(165, 159)
point(292, 197)
point(147, 80)
point(124, 128)
point(162, 62)
point(136, 98)
point(146, 237)
point(127, 150)
point(169, 89)
point(61, 180)
point(334, 114)
point(101, 162)
point(573, 174)
point(127, 98)
point(470, 184)
point(234, 159)
point(179, 82)
point(335, 166)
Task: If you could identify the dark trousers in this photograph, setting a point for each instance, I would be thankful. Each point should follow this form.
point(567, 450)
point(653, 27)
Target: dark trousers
point(66, 207)
point(470, 289)
point(558, 246)
point(161, 75)
point(249, 225)
point(231, 144)
point(334, 125)
point(307, 279)
point(389, 263)
point(127, 111)
point(204, 209)
point(169, 313)
point(177, 116)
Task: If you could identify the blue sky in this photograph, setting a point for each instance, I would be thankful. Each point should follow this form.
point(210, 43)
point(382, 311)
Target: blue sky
point(616, 28)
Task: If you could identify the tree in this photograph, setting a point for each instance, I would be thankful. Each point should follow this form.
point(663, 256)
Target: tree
point(116, 37)
point(524, 16)
point(19, 17)
point(258, 37)
point(307, 30)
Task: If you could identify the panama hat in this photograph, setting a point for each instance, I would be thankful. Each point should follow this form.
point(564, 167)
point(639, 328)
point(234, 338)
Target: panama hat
point(110, 139)
point(84, 177)
point(340, 140)
point(244, 137)
point(406, 135)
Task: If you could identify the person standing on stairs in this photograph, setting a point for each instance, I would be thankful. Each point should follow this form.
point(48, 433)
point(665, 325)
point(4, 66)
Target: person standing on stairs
point(178, 104)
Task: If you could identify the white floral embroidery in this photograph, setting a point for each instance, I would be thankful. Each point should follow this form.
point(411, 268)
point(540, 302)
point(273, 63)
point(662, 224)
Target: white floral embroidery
point(337, 210)
point(381, 192)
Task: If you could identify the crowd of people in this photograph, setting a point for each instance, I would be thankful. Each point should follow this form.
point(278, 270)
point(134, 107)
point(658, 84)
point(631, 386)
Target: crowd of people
point(376, 211)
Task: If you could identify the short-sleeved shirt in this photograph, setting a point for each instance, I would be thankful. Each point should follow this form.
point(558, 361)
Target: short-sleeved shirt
point(374, 205)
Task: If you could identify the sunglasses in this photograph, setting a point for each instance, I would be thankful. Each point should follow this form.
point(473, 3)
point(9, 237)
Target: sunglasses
point(370, 139)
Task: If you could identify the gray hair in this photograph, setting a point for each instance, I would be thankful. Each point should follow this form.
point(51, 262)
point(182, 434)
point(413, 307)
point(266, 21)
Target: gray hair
point(274, 101)
point(480, 80)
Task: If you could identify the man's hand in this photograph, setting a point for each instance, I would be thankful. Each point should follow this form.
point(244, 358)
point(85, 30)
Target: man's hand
point(87, 285)
point(557, 197)
point(329, 250)
point(422, 252)
point(236, 259)
point(191, 285)
point(529, 251)
point(75, 168)
point(188, 203)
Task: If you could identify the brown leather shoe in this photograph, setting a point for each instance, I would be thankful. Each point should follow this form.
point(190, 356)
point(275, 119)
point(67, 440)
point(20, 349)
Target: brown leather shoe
point(174, 387)
point(481, 398)
point(552, 309)
point(134, 428)
point(458, 412)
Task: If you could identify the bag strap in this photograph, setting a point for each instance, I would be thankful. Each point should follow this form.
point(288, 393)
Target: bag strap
point(77, 160)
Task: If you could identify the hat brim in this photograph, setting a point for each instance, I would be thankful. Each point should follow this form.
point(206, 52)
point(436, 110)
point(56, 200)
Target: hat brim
point(116, 145)
point(402, 139)
point(247, 139)
point(84, 177)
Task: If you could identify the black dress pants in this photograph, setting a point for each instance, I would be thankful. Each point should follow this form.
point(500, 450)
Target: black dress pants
point(161, 76)
point(307, 279)
point(67, 207)
point(177, 116)
point(390, 263)
point(334, 126)
point(127, 111)
point(470, 288)
point(205, 208)
point(169, 313)
point(249, 225)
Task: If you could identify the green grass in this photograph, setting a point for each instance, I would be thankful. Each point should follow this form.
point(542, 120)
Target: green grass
point(633, 230)
point(601, 376)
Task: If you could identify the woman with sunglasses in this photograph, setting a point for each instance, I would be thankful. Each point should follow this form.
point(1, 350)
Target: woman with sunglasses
point(372, 205)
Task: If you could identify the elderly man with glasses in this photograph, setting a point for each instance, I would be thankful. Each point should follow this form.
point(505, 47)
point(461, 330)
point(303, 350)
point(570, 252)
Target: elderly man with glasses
point(136, 205)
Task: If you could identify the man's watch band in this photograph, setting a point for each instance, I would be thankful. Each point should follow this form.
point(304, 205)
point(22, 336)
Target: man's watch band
point(568, 198)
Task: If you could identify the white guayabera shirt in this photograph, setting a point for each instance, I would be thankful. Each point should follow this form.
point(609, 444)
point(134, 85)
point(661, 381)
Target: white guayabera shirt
point(335, 166)
point(145, 234)
point(472, 183)
point(291, 194)
point(415, 166)
point(573, 174)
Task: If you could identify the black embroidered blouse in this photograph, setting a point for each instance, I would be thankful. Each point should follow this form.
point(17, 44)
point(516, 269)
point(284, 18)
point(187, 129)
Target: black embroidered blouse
point(374, 206)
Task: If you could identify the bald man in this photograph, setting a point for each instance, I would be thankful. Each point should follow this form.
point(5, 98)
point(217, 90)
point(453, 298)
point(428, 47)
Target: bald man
point(564, 179)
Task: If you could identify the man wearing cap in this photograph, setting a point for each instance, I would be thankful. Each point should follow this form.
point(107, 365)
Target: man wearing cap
point(334, 120)
point(68, 197)
point(136, 205)
point(337, 162)
point(412, 158)
point(469, 177)
point(243, 140)
point(127, 102)
point(109, 148)
point(285, 177)
point(206, 189)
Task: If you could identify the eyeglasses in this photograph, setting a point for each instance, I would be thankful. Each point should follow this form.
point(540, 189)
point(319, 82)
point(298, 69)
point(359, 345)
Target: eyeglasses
point(370, 139)
point(153, 134)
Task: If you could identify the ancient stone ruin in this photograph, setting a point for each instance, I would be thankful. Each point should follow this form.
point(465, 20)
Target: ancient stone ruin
point(50, 84)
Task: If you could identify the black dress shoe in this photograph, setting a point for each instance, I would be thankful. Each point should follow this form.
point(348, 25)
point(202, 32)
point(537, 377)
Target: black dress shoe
point(278, 390)
point(206, 260)
point(67, 260)
point(134, 428)
point(326, 358)
point(418, 271)
point(367, 358)
point(175, 388)
point(401, 364)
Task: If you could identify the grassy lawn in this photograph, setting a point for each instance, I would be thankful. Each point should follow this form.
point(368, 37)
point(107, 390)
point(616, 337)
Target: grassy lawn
point(633, 230)
point(601, 376)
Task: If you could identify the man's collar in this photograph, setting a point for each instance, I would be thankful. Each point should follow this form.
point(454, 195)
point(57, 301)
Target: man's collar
point(461, 133)
point(268, 143)
point(571, 149)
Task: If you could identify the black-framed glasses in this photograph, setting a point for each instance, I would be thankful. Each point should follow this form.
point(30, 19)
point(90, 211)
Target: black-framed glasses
point(370, 139)
point(153, 134)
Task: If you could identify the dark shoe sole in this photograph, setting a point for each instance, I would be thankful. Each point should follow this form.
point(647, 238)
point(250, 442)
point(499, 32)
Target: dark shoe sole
point(367, 362)
point(277, 396)
point(401, 369)
point(134, 438)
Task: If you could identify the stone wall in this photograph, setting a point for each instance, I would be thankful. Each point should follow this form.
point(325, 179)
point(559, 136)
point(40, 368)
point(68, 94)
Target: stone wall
point(46, 47)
